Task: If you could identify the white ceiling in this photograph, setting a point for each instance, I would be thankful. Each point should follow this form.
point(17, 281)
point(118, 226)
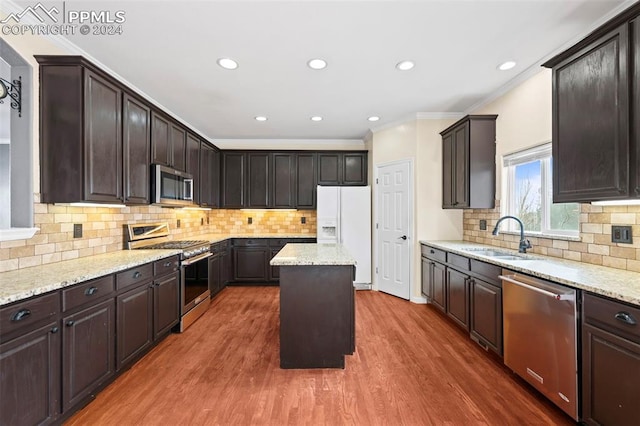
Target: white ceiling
point(169, 51)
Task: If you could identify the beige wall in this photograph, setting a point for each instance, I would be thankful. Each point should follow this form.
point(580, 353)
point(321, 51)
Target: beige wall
point(418, 141)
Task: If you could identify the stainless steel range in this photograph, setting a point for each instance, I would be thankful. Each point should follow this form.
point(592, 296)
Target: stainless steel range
point(194, 266)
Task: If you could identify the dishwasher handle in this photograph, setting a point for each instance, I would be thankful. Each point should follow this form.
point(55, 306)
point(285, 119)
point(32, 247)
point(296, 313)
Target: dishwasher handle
point(557, 296)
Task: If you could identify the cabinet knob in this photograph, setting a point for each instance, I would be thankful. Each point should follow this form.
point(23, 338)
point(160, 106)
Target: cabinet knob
point(54, 330)
point(626, 318)
point(91, 291)
point(137, 274)
point(432, 252)
point(167, 264)
point(21, 314)
point(70, 323)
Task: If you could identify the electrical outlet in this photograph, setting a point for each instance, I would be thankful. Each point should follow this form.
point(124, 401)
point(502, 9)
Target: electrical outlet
point(77, 230)
point(303, 220)
point(207, 220)
point(483, 225)
point(621, 234)
point(178, 223)
point(201, 221)
point(250, 220)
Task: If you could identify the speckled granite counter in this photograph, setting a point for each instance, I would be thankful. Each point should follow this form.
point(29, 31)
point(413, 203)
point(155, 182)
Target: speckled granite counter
point(27, 282)
point(615, 283)
point(313, 254)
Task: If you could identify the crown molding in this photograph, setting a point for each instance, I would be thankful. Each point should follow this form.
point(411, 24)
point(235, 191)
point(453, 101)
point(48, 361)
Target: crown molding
point(394, 123)
point(439, 115)
point(273, 143)
point(537, 66)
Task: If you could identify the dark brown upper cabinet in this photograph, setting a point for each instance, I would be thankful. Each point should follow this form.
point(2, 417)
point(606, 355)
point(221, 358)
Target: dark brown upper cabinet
point(80, 133)
point(338, 168)
point(233, 179)
point(136, 140)
point(178, 137)
point(160, 142)
point(468, 163)
point(306, 180)
point(192, 165)
point(595, 111)
point(283, 179)
point(209, 176)
point(257, 180)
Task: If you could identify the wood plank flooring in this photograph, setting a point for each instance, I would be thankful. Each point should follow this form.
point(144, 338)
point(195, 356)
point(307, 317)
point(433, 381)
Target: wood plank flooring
point(411, 367)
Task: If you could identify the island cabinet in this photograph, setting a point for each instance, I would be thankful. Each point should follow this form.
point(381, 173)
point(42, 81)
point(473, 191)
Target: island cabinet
point(595, 148)
point(468, 163)
point(610, 362)
point(468, 291)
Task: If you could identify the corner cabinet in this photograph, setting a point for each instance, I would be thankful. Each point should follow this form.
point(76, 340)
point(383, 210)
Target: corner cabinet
point(468, 163)
point(595, 104)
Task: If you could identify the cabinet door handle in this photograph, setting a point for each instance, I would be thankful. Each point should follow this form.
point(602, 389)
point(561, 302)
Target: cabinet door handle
point(137, 274)
point(91, 291)
point(626, 317)
point(70, 323)
point(21, 314)
point(54, 330)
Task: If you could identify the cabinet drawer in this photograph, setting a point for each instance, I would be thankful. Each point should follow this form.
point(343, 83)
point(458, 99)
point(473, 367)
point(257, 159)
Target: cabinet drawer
point(616, 317)
point(434, 253)
point(165, 266)
point(223, 245)
point(83, 293)
point(18, 316)
point(280, 242)
point(134, 276)
point(491, 272)
point(458, 261)
point(251, 242)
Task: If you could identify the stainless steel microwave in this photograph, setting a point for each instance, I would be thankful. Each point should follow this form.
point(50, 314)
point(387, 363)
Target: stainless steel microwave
point(170, 187)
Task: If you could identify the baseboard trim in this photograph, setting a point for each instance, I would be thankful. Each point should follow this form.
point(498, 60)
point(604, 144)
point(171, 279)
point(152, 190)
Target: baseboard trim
point(419, 300)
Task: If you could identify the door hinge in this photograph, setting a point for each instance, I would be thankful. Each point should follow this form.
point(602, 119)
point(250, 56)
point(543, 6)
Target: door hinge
point(377, 181)
point(376, 269)
point(376, 226)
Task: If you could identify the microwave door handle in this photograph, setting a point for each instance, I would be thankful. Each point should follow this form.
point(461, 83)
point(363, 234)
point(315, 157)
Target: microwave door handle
point(188, 189)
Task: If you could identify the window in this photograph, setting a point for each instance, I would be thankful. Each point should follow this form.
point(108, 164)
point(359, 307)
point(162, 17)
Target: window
point(528, 194)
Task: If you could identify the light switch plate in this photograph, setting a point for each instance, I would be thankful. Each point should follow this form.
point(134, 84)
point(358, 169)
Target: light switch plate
point(621, 234)
point(77, 230)
point(483, 225)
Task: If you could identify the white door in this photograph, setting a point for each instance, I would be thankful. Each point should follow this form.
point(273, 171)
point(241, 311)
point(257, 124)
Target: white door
point(394, 198)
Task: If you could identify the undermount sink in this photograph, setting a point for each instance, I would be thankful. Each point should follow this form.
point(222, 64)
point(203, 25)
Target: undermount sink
point(503, 255)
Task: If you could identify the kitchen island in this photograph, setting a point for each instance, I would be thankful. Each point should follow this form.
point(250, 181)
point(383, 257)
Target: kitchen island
point(317, 305)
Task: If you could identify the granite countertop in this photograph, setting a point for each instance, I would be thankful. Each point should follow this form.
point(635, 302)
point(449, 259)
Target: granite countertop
point(615, 283)
point(313, 254)
point(24, 283)
point(216, 238)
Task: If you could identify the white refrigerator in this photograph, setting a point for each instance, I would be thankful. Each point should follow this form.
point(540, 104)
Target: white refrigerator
point(344, 216)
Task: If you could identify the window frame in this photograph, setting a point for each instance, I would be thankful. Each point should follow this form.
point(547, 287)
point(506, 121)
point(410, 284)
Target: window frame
point(510, 161)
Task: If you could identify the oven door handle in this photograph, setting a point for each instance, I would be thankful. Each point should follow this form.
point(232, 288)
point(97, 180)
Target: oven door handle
point(193, 260)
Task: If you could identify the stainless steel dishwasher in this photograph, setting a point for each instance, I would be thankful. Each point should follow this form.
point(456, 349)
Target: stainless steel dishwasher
point(539, 319)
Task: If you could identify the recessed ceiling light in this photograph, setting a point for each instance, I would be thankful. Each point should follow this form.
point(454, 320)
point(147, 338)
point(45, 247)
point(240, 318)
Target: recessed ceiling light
point(227, 63)
point(316, 118)
point(373, 118)
point(405, 65)
point(506, 65)
point(261, 118)
point(317, 64)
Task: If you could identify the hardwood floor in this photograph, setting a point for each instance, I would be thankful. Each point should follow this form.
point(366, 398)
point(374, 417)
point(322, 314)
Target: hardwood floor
point(411, 367)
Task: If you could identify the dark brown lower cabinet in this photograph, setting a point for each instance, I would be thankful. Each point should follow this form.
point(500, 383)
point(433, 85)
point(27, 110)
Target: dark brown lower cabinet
point(274, 271)
point(486, 314)
point(437, 274)
point(251, 263)
point(458, 297)
point(425, 278)
point(88, 359)
point(610, 362)
point(30, 379)
point(215, 274)
point(166, 304)
point(135, 323)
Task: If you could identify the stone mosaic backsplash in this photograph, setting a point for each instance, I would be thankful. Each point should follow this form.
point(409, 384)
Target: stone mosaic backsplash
point(594, 245)
point(104, 229)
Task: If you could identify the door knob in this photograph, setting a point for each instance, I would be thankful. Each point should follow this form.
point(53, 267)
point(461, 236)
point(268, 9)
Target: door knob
point(404, 237)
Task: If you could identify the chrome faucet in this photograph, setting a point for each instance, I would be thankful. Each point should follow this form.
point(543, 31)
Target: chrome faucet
point(524, 243)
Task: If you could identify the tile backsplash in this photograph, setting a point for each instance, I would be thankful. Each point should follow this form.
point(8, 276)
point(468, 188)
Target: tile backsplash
point(594, 245)
point(104, 229)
